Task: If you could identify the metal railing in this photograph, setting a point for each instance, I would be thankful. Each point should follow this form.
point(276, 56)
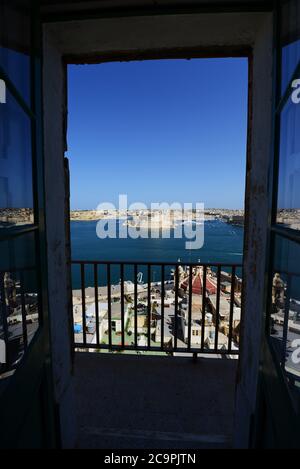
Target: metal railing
point(19, 315)
point(183, 307)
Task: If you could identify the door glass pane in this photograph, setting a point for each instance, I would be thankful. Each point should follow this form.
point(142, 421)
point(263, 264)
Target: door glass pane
point(19, 300)
point(16, 193)
point(288, 203)
point(285, 312)
point(15, 43)
point(18, 253)
point(290, 40)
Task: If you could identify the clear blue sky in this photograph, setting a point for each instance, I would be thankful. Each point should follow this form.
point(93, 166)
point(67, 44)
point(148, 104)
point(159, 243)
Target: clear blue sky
point(159, 131)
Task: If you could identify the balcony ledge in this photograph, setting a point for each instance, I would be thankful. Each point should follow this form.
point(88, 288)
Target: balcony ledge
point(134, 401)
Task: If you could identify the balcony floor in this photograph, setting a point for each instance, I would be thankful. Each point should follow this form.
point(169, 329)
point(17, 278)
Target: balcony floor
point(154, 402)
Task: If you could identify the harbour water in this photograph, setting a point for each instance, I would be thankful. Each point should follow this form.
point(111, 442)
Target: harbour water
point(223, 243)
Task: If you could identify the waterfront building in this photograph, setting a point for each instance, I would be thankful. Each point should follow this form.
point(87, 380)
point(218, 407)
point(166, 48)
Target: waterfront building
point(55, 394)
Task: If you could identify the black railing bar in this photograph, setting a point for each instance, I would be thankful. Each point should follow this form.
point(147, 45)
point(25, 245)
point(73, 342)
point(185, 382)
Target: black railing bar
point(122, 305)
point(285, 323)
point(23, 309)
point(232, 288)
point(157, 349)
point(82, 278)
point(176, 279)
point(190, 306)
point(158, 263)
point(135, 304)
point(203, 306)
point(109, 305)
point(162, 309)
point(96, 302)
point(149, 303)
point(4, 308)
point(218, 307)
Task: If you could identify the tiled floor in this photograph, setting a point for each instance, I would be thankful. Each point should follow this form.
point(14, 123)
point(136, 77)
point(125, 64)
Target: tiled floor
point(130, 401)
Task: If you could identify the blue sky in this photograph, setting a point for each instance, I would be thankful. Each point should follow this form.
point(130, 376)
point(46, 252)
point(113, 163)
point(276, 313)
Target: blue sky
point(159, 131)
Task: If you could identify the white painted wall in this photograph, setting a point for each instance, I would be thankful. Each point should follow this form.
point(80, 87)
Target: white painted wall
point(53, 77)
point(256, 229)
point(100, 36)
point(90, 38)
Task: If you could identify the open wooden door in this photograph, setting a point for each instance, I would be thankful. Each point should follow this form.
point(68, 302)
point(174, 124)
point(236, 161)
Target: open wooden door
point(26, 400)
point(278, 416)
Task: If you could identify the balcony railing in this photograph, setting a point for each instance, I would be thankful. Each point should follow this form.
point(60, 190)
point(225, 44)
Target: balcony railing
point(19, 316)
point(157, 307)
